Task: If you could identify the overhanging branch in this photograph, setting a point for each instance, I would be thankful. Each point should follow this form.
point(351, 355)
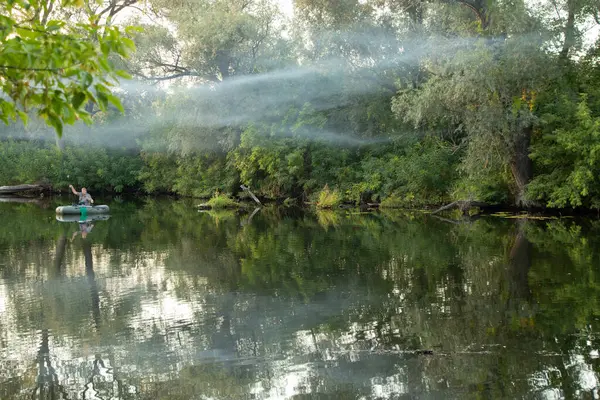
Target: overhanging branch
point(175, 76)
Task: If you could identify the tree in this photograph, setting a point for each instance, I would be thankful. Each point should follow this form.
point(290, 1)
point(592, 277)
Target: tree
point(53, 67)
point(485, 89)
point(210, 41)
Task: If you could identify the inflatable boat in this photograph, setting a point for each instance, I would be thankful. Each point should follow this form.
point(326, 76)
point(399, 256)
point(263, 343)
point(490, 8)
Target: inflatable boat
point(81, 218)
point(82, 210)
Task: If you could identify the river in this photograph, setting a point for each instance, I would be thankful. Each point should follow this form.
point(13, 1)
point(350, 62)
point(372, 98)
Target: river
point(161, 301)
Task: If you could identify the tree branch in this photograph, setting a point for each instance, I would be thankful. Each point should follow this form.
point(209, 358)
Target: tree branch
point(114, 8)
point(477, 11)
point(30, 69)
point(47, 10)
point(556, 10)
point(173, 67)
point(169, 77)
point(54, 70)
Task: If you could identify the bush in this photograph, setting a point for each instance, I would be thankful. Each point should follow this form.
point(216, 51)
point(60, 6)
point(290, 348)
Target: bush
point(221, 201)
point(568, 161)
point(98, 169)
point(328, 198)
point(393, 201)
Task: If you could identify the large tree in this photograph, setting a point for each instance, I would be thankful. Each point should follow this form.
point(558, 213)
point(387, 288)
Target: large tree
point(209, 41)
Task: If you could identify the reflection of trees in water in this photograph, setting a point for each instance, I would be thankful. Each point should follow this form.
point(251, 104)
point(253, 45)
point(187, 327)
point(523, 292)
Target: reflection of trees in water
point(103, 383)
point(342, 309)
point(47, 383)
point(59, 258)
point(91, 278)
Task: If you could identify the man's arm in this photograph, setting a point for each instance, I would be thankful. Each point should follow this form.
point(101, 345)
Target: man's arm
point(73, 189)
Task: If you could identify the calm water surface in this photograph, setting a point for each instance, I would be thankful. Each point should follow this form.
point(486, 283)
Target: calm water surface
point(163, 302)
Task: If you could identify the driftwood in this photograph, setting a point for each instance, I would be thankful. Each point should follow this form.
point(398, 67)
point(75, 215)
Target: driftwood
point(242, 223)
point(464, 220)
point(23, 189)
point(462, 205)
point(16, 199)
point(247, 189)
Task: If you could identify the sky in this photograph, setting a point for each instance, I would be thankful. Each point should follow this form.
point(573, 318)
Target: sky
point(287, 7)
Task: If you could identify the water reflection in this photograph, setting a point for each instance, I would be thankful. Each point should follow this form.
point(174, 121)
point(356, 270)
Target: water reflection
point(161, 302)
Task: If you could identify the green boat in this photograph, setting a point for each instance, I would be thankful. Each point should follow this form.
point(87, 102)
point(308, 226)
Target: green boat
point(80, 218)
point(82, 210)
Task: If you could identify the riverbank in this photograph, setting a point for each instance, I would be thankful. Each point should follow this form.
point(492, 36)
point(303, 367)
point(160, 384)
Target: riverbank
point(244, 205)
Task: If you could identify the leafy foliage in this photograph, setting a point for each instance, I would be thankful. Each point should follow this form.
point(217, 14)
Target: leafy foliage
point(570, 158)
point(220, 201)
point(328, 198)
point(95, 168)
point(412, 103)
point(53, 67)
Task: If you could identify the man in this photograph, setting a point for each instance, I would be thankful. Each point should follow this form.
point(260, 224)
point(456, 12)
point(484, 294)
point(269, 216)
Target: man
point(84, 229)
point(84, 197)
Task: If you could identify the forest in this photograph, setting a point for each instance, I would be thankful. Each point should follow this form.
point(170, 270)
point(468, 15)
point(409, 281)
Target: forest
point(408, 103)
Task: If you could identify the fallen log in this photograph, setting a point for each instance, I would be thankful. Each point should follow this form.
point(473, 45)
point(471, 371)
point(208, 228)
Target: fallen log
point(247, 189)
point(16, 199)
point(23, 189)
point(462, 205)
point(464, 220)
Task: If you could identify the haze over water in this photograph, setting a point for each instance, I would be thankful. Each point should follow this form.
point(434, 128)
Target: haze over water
point(163, 302)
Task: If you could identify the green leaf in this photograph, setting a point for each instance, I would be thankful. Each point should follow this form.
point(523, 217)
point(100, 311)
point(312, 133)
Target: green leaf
point(115, 101)
point(24, 117)
point(78, 100)
point(128, 43)
point(85, 117)
point(88, 79)
point(102, 100)
point(69, 72)
point(122, 74)
point(56, 123)
point(53, 26)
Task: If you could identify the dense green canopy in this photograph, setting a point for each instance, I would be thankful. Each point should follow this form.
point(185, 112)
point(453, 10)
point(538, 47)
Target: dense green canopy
point(411, 102)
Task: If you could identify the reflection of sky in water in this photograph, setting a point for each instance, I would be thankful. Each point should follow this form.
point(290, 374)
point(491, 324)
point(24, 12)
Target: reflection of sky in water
point(147, 323)
point(160, 312)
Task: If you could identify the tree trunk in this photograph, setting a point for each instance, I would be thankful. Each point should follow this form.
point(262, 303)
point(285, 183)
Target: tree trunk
point(61, 247)
point(569, 31)
point(223, 62)
point(91, 278)
point(520, 264)
point(521, 166)
point(27, 188)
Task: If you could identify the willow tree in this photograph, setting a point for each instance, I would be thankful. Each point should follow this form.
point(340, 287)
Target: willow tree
point(483, 86)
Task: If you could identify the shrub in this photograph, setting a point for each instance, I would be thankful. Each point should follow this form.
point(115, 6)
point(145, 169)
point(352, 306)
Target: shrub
point(393, 201)
point(329, 198)
point(220, 201)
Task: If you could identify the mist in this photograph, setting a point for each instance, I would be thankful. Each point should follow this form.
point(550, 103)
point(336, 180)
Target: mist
point(200, 113)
